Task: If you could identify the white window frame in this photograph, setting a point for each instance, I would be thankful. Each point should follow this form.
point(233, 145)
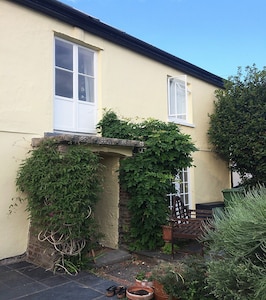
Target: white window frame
point(81, 113)
point(182, 187)
point(178, 100)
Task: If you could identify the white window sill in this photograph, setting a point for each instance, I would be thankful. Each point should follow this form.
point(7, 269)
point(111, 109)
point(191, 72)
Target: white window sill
point(62, 132)
point(183, 123)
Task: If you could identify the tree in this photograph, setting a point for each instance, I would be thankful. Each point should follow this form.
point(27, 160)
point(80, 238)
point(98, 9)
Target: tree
point(238, 124)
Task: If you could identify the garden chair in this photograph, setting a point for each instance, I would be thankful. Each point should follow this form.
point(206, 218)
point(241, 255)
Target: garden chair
point(187, 223)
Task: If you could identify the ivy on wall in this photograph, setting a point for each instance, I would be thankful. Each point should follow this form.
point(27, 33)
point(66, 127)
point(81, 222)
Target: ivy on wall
point(147, 176)
point(61, 185)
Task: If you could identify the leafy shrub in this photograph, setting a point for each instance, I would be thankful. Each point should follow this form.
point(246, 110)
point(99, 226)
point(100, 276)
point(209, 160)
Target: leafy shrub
point(61, 188)
point(148, 176)
point(170, 276)
point(195, 280)
point(237, 269)
point(186, 279)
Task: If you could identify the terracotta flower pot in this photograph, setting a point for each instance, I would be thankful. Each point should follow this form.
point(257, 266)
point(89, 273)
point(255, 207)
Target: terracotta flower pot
point(136, 293)
point(159, 292)
point(167, 233)
point(143, 282)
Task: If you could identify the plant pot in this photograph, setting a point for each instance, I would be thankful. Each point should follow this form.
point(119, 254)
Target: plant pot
point(159, 292)
point(132, 293)
point(138, 282)
point(167, 233)
point(143, 282)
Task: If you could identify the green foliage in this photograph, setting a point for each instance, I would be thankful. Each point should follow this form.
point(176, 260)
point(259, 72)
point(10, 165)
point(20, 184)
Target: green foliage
point(111, 126)
point(147, 176)
point(238, 124)
point(141, 275)
point(186, 279)
point(167, 248)
point(238, 247)
point(61, 188)
point(195, 280)
point(170, 275)
point(236, 279)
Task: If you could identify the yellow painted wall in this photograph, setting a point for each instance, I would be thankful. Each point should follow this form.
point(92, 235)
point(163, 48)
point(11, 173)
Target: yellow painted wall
point(107, 210)
point(14, 225)
point(130, 84)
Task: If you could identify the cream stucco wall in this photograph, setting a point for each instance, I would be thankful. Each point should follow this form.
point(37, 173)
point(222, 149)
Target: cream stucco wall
point(107, 210)
point(130, 84)
point(14, 225)
point(210, 173)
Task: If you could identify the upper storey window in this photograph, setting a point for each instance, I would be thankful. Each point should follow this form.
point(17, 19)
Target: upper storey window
point(178, 100)
point(74, 88)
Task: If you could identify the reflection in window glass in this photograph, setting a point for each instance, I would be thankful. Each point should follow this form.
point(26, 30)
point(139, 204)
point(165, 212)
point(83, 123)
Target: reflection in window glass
point(64, 55)
point(85, 61)
point(64, 83)
point(182, 185)
point(86, 88)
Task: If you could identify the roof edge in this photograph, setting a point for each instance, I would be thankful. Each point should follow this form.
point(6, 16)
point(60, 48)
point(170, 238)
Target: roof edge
point(90, 24)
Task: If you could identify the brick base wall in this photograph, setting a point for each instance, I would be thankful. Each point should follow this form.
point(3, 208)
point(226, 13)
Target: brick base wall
point(40, 253)
point(43, 253)
point(124, 218)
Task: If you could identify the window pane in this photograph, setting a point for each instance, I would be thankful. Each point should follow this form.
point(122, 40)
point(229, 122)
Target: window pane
point(86, 88)
point(85, 62)
point(185, 199)
point(64, 83)
point(63, 55)
point(185, 178)
point(177, 105)
point(181, 99)
point(172, 106)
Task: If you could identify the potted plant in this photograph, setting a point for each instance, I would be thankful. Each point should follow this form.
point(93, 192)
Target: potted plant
point(168, 280)
point(143, 279)
point(140, 277)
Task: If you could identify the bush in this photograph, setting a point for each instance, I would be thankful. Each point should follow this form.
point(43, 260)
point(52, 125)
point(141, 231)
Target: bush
point(184, 279)
point(170, 276)
point(195, 280)
point(148, 176)
point(62, 186)
point(237, 269)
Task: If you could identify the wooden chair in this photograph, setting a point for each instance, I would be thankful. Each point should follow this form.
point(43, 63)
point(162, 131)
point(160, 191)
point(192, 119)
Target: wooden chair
point(187, 223)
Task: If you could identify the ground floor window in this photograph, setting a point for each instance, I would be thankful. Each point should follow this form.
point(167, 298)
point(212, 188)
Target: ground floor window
point(182, 187)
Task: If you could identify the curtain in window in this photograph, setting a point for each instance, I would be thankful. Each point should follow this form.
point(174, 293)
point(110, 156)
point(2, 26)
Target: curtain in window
point(85, 77)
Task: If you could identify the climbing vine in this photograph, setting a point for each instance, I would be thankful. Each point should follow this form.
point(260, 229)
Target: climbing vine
point(147, 176)
point(61, 184)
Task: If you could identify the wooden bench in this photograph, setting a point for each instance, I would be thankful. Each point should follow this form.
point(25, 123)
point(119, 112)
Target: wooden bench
point(187, 223)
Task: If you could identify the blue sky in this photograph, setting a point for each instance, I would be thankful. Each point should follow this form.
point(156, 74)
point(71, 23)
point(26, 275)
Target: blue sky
point(218, 36)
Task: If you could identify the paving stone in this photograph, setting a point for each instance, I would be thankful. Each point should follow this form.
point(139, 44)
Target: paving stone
point(68, 291)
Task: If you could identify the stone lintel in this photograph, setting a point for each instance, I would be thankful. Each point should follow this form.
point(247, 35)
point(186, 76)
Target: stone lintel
point(90, 140)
